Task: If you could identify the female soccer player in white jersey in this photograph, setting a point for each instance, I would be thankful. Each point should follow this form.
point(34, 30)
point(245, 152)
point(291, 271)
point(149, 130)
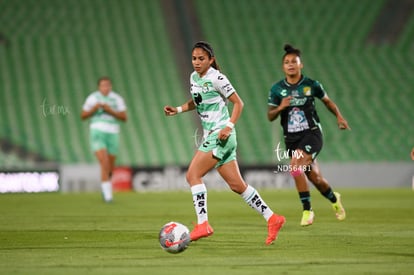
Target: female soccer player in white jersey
point(106, 109)
point(293, 99)
point(210, 91)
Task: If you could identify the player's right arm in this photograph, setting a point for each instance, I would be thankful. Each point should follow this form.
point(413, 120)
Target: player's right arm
point(273, 112)
point(88, 113)
point(90, 107)
point(188, 106)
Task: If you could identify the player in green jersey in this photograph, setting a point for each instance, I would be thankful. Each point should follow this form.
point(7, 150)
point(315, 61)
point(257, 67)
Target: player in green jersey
point(293, 99)
point(106, 109)
point(210, 91)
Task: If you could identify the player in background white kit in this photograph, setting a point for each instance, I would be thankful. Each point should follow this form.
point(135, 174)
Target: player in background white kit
point(106, 109)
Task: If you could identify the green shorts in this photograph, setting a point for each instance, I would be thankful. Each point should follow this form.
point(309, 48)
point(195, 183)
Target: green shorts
point(224, 150)
point(101, 140)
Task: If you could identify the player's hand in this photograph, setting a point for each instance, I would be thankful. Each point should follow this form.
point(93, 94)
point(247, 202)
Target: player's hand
point(224, 133)
point(285, 102)
point(412, 154)
point(343, 124)
point(170, 111)
point(97, 107)
point(106, 108)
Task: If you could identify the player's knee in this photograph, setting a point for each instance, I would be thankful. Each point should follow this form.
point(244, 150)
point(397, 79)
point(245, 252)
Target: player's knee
point(192, 178)
point(104, 166)
point(188, 177)
point(318, 180)
point(237, 188)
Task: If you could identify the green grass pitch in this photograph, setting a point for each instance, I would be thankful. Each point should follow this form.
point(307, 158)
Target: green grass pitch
point(79, 234)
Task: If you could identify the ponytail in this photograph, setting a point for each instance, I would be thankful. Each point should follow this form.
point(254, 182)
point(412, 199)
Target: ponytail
point(215, 65)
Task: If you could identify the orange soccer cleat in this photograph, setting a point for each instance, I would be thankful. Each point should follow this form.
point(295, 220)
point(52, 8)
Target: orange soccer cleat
point(274, 224)
point(201, 231)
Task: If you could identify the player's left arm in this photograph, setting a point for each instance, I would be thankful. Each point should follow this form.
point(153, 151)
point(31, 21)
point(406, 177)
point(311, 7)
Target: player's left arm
point(333, 108)
point(121, 115)
point(235, 115)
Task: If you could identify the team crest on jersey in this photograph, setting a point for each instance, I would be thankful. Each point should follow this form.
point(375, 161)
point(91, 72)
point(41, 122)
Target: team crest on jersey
point(205, 88)
point(307, 91)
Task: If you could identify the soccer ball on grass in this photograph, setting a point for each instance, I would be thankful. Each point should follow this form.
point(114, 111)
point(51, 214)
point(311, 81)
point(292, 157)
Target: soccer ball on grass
point(174, 237)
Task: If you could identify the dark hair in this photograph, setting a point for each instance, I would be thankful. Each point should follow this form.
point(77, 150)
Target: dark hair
point(209, 50)
point(103, 78)
point(289, 49)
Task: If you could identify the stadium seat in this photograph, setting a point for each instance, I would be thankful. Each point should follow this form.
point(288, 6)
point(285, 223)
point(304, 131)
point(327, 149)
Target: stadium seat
point(58, 49)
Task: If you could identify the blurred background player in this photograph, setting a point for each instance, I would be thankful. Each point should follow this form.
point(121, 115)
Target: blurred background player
point(106, 109)
point(293, 99)
point(210, 92)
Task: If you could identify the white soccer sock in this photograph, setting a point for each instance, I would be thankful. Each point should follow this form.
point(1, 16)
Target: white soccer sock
point(107, 190)
point(252, 198)
point(199, 192)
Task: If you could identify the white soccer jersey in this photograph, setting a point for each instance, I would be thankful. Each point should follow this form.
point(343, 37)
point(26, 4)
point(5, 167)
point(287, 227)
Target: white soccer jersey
point(101, 120)
point(210, 94)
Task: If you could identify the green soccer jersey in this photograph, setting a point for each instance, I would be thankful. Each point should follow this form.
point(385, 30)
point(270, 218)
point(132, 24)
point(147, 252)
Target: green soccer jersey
point(101, 120)
point(301, 115)
point(210, 94)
